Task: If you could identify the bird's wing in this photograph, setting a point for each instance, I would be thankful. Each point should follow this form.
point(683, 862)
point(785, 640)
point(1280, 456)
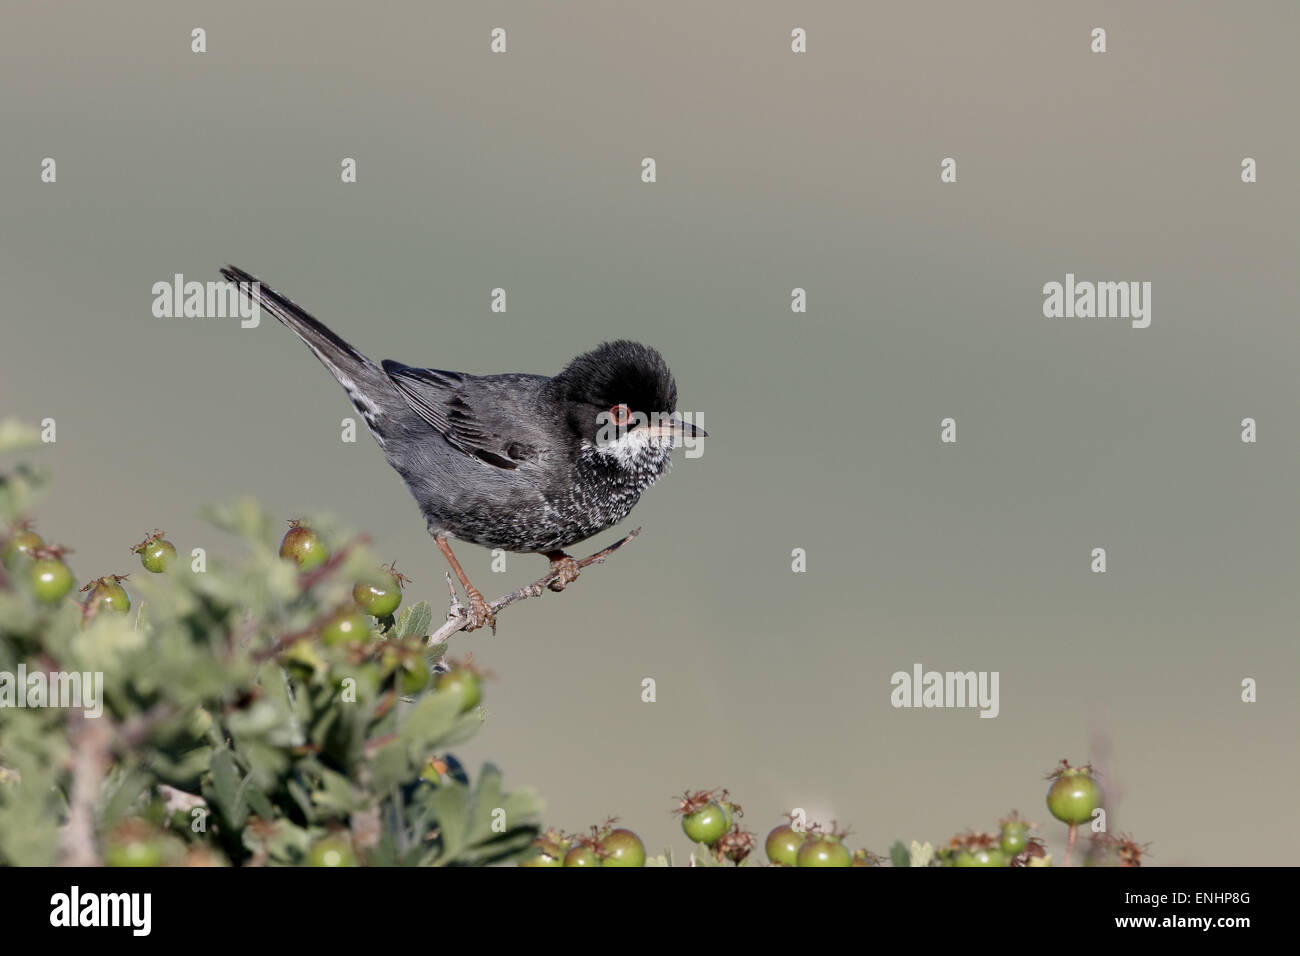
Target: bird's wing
point(467, 417)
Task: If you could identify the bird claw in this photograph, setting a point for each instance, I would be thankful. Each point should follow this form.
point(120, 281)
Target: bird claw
point(480, 612)
point(566, 570)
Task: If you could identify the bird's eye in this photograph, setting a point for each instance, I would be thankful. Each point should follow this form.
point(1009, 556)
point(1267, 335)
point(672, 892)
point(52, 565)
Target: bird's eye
point(621, 414)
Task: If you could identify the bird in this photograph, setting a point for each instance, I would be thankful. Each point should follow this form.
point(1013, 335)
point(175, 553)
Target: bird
point(521, 462)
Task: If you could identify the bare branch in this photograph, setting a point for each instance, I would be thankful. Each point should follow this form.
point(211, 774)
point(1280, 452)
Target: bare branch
point(91, 741)
point(458, 613)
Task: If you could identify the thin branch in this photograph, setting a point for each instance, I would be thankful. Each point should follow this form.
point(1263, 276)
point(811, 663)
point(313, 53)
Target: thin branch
point(310, 579)
point(458, 613)
point(285, 641)
point(91, 742)
point(179, 799)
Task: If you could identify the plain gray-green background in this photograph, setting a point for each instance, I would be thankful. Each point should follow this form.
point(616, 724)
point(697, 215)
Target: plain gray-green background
point(775, 170)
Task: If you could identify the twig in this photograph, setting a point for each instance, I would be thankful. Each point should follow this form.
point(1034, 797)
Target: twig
point(311, 578)
point(285, 641)
point(179, 799)
point(91, 741)
point(458, 613)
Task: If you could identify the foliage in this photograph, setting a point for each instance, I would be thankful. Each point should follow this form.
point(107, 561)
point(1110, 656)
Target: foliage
point(231, 733)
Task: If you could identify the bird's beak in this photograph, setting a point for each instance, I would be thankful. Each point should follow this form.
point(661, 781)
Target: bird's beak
point(676, 429)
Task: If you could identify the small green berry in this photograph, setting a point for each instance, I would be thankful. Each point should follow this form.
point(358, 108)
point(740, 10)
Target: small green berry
point(621, 848)
point(21, 544)
point(1073, 794)
point(156, 553)
point(51, 580)
point(782, 845)
point(332, 851)
point(463, 681)
point(303, 546)
point(346, 627)
point(581, 856)
point(107, 594)
point(381, 600)
point(824, 850)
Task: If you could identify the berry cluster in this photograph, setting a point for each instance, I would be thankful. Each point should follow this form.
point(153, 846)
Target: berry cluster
point(708, 819)
point(605, 845)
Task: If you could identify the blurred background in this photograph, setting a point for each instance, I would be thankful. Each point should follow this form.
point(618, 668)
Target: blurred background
point(775, 170)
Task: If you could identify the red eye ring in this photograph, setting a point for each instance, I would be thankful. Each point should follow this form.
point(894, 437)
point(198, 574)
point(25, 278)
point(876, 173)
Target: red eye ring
point(621, 414)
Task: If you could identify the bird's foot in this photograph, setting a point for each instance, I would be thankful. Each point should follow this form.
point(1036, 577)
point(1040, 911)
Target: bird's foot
point(566, 571)
point(480, 612)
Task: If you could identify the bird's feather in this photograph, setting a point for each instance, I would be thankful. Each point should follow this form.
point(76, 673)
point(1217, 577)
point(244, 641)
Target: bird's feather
point(446, 400)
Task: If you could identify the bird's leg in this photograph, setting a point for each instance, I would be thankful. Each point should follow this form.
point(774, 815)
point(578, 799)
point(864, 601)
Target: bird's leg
point(479, 611)
point(566, 569)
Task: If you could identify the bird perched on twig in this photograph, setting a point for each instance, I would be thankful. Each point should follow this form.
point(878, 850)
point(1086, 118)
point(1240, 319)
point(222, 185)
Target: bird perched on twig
point(524, 463)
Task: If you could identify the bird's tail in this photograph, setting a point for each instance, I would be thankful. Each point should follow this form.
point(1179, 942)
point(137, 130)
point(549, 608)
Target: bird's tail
point(371, 392)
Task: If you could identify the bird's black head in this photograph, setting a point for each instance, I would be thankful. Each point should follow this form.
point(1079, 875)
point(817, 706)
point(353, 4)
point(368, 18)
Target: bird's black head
point(619, 399)
point(620, 373)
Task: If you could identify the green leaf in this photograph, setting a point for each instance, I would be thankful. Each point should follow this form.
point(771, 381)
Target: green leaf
point(120, 792)
point(335, 793)
point(415, 621)
point(260, 803)
point(899, 854)
point(390, 767)
point(513, 844)
point(226, 789)
point(225, 777)
point(464, 727)
point(450, 803)
point(429, 720)
point(501, 825)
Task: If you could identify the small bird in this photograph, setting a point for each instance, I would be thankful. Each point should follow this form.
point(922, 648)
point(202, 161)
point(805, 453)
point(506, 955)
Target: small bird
point(524, 463)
